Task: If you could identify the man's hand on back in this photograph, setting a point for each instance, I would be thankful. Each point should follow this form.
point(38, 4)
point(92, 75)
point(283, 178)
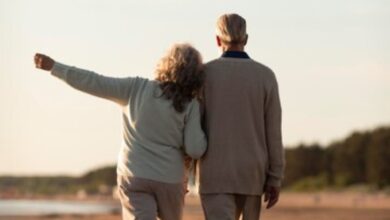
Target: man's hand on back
point(271, 195)
point(43, 62)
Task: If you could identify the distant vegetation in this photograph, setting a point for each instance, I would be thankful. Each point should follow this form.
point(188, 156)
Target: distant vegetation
point(99, 181)
point(363, 158)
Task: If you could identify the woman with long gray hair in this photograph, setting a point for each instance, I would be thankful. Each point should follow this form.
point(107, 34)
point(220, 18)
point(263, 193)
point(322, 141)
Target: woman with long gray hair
point(161, 125)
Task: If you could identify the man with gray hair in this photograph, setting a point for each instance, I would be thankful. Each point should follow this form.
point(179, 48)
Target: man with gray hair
point(242, 119)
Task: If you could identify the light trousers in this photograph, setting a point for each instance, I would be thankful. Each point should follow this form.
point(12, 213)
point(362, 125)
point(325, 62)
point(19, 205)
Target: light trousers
point(144, 199)
point(231, 206)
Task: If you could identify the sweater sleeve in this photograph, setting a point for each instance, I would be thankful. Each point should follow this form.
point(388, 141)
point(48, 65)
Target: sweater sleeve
point(273, 123)
point(195, 143)
point(114, 89)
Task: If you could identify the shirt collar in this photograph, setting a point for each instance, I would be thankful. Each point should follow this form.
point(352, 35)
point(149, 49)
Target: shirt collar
point(235, 54)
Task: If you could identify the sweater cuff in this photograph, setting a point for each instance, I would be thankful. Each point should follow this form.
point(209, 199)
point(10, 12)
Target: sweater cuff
point(272, 181)
point(60, 70)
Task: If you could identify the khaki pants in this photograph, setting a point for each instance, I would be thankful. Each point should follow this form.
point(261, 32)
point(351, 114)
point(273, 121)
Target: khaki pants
point(231, 206)
point(144, 199)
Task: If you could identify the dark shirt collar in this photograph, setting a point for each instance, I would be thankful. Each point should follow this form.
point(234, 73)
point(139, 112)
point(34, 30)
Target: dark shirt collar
point(235, 54)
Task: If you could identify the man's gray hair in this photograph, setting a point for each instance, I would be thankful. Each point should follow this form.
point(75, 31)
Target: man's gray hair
point(231, 29)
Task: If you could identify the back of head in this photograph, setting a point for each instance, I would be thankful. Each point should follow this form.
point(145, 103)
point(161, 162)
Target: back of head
point(231, 29)
point(180, 75)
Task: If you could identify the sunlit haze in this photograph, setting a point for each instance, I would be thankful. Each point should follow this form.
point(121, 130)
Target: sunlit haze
point(331, 58)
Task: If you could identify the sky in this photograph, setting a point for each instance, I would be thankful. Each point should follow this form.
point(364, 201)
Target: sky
point(331, 59)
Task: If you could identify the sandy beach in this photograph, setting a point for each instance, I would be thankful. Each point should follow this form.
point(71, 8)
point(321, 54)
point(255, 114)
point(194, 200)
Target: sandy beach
point(304, 206)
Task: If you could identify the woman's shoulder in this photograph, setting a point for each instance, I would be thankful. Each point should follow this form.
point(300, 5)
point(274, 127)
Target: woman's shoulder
point(139, 79)
point(142, 83)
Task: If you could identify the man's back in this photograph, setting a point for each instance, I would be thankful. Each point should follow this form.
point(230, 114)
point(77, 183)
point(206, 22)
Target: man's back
point(243, 119)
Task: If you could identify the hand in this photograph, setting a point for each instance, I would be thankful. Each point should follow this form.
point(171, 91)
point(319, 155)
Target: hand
point(271, 195)
point(187, 165)
point(43, 62)
point(187, 161)
point(185, 185)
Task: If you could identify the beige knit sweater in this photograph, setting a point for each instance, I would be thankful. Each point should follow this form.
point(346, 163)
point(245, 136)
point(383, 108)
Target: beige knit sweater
point(243, 125)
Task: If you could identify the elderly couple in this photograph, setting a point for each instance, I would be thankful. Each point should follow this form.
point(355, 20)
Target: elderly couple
point(239, 146)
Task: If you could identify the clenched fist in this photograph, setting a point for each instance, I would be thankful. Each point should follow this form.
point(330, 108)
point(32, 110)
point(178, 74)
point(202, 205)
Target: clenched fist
point(43, 62)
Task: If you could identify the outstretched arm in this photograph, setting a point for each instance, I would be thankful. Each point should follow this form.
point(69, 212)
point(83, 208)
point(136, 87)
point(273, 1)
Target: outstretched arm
point(114, 89)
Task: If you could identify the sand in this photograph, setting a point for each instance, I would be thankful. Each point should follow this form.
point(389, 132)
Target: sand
point(297, 206)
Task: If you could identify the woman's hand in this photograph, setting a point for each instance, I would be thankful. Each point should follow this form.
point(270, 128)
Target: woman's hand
point(43, 62)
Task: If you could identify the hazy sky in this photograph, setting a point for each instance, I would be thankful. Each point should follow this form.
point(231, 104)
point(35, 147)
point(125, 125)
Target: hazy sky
point(331, 58)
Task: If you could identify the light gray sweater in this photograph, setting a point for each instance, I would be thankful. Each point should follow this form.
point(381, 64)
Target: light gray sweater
point(155, 136)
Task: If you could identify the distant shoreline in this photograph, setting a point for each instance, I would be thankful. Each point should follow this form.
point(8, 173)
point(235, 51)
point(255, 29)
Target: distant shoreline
point(302, 206)
point(63, 198)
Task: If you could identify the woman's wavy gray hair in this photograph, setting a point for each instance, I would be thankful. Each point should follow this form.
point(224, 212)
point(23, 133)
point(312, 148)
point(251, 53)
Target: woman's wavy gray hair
point(180, 75)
